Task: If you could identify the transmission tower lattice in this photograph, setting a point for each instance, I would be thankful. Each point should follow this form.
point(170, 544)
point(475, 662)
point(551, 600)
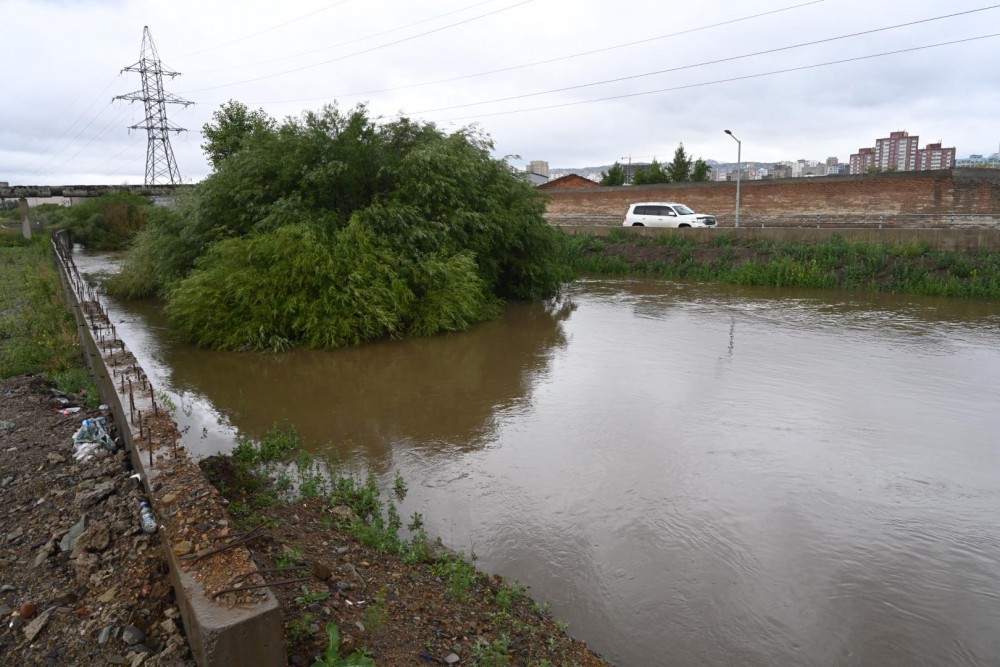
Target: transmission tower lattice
point(160, 162)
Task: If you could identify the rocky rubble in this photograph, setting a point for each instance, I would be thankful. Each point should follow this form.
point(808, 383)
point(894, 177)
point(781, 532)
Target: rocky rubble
point(80, 583)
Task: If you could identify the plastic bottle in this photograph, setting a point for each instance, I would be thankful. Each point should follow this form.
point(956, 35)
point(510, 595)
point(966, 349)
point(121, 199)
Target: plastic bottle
point(146, 515)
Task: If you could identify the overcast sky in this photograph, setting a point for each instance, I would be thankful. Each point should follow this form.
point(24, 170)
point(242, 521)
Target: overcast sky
point(439, 61)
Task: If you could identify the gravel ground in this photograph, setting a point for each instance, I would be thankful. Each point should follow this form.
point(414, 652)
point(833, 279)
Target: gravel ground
point(80, 583)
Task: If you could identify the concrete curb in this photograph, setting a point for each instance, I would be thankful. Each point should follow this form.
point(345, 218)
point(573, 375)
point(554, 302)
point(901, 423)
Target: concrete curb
point(219, 635)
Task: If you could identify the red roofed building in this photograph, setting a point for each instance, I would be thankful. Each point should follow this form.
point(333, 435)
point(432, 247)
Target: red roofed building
point(569, 181)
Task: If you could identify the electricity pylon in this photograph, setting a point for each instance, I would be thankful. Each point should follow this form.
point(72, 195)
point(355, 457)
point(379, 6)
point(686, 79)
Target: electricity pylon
point(160, 161)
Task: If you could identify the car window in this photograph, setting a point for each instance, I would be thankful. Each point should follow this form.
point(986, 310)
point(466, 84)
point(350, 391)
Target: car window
point(644, 210)
point(666, 210)
point(683, 210)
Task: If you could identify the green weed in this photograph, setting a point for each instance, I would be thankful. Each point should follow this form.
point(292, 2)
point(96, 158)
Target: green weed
point(491, 654)
point(331, 658)
point(459, 575)
point(302, 628)
point(308, 597)
point(377, 614)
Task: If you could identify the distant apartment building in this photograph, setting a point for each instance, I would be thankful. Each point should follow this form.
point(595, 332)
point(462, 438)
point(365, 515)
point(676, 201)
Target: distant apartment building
point(834, 167)
point(863, 161)
point(897, 152)
point(901, 152)
point(780, 170)
point(540, 167)
point(932, 156)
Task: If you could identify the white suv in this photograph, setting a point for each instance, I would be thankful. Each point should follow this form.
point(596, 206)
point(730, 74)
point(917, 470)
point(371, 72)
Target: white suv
point(665, 214)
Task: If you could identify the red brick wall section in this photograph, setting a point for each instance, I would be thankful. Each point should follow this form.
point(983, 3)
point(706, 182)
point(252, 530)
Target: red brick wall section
point(946, 198)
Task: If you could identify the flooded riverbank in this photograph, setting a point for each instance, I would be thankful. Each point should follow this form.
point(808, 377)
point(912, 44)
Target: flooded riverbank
point(691, 474)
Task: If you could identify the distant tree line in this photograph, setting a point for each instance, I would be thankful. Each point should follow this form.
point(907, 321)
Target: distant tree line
point(681, 169)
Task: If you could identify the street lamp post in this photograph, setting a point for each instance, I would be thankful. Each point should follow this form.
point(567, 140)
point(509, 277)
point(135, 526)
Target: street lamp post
point(739, 169)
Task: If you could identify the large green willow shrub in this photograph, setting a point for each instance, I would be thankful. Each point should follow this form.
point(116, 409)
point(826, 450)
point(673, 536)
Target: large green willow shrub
point(332, 230)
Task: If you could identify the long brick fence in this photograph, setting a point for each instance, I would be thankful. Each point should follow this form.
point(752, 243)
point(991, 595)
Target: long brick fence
point(951, 198)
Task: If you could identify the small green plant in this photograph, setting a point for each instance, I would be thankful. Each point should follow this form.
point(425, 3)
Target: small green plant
point(543, 609)
point(400, 486)
point(503, 599)
point(312, 482)
point(166, 402)
point(491, 654)
point(377, 614)
point(331, 658)
point(460, 576)
point(288, 556)
point(276, 445)
point(308, 597)
point(302, 628)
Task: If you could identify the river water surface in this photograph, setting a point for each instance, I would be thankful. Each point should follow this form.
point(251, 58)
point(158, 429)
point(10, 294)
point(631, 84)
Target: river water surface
point(690, 474)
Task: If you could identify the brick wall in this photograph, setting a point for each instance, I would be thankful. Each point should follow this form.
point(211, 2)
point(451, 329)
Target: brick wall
point(946, 198)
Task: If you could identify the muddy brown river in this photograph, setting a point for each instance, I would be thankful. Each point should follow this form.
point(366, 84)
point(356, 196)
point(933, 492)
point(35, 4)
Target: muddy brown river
point(689, 474)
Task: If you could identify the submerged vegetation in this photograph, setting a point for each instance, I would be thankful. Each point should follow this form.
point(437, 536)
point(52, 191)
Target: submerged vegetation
point(332, 230)
point(834, 263)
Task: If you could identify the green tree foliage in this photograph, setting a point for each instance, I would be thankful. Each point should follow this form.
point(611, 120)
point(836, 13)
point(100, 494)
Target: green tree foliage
point(232, 124)
point(654, 173)
point(107, 222)
point(332, 230)
point(680, 168)
point(614, 176)
point(701, 171)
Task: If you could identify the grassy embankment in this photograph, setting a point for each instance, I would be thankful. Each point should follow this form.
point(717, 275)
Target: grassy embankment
point(836, 263)
point(37, 330)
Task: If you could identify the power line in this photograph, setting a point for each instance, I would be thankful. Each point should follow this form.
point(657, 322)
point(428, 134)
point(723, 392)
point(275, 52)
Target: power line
point(358, 53)
point(128, 146)
point(112, 123)
point(45, 151)
point(265, 30)
point(556, 59)
point(718, 81)
point(707, 62)
point(350, 41)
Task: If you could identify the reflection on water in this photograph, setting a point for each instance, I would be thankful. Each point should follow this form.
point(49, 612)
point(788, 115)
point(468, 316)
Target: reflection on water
point(691, 474)
point(440, 392)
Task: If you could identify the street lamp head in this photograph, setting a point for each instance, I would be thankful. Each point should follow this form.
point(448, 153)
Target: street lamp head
point(728, 132)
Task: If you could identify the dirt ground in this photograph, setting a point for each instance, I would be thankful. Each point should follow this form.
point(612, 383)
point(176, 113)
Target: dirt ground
point(80, 582)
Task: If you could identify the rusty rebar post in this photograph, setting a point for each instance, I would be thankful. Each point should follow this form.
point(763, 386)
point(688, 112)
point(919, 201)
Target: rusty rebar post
point(131, 404)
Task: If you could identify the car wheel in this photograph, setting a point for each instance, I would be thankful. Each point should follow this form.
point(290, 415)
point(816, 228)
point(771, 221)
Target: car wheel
point(683, 224)
point(638, 224)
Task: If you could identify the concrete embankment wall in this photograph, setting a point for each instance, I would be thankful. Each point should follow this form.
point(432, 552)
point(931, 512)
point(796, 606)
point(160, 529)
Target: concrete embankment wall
point(220, 635)
point(950, 198)
point(965, 240)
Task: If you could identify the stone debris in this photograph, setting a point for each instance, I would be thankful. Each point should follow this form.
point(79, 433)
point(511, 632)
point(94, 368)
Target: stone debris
point(79, 583)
